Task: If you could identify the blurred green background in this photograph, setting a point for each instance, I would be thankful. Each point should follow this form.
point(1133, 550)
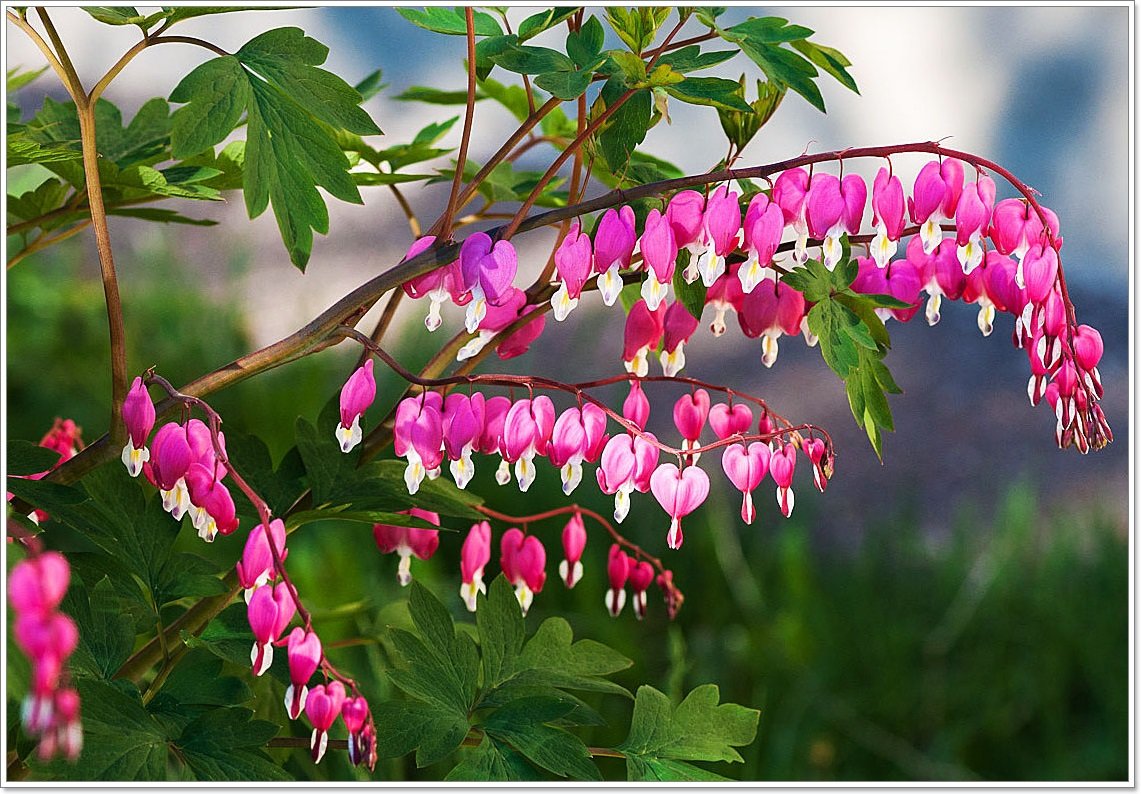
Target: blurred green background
point(997, 651)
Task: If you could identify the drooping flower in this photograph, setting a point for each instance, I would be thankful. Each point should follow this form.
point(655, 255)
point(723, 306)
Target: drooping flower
point(527, 430)
point(746, 467)
point(782, 465)
point(523, 560)
point(720, 226)
point(941, 274)
point(617, 571)
point(438, 285)
point(730, 420)
point(659, 253)
point(641, 577)
point(463, 420)
point(685, 213)
point(212, 507)
point(269, 611)
point(817, 452)
point(495, 319)
point(355, 713)
point(724, 296)
point(935, 199)
point(419, 437)
point(690, 413)
point(763, 227)
point(139, 417)
point(887, 216)
point(408, 541)
point(519, 341)
point(170, 460)
point(833, 207)
point(614, 241)
point(474, 556)
point(636, 407)
point(574, 541)
point(643, 333)
point(573, 263)
point(972, 221)
point(770, 310)
point(256, 567)
point(679, 492)
point(356, 396)
point(488, 270)
point(304, 654)
point(615, 473)
point(1015, 226)
point(678, 326)
point(789, 192)
point(322, 707)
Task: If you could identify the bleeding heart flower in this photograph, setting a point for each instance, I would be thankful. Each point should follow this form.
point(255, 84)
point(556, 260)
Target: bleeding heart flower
point(474, 556)
point(729, 420)
point(574, 541)
point(679, 492)
point(782, 465)
point(356, 396)
point(746, 467)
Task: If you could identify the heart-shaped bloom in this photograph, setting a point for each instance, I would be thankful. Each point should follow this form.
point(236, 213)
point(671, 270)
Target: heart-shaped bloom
point(355, 713)
point(573, 263)
point(439, 284)
point(782, 465)
point(790, 192)
point(887, 216)
point(641, 577)
point(488, 270)
point(495, 319)
point(519, 341)
point(935, 198)
point(643, 333)
point(679, 492)
point(659, 253)
point(614, 241)
point(817, 452)
point(527, 430)
point(1040, 272)
point(678, 326)
point(833, 207)
point(730, 420)
point(408, 541)
point(721, 224)
point(139, 417)
point(615, 473)
point(770, 310)
point(322, 707)
point(636, 407)
point(746, 467)
point(523, 559)
point(724, 296)
point(213, 509)
point(574, 541)
point(37, 584)
point(419, 437)
point(763, 227)
point(356, 396)
point(474, 556)
point(463, 419)
point(690, 413)
point(972, 221)
point(269, 611)
point(304, 654)
point(685, 213)
point(256, 567)
point(170, 459)
point(617, 571)
point(940, 273)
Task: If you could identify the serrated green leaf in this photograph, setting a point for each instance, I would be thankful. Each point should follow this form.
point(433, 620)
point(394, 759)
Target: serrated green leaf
point(492, 760)
point(22, 150)
point(450, 21)
point(668, 770)
point(691, 58)
point(865, 310)
point(24, 457)
point(830, 60)
point(15, 79)
point(551, 748)
point(159, 216)
point(501, 632)
point(216, 94)
point(626, 128)
point(711, 91)
point(549, 657)
point(197, 680)
point(186, 575)
point(532, 60)
point(106, 632)
point(221, 745)
point(402, 727)
point(761, 40)
point(227, 636)
point(828, 320)
point(813, 280)
point(638, 26)
point(280, 487)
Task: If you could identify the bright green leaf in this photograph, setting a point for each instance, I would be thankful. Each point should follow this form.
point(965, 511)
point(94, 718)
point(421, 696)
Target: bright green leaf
point(712, 91)
point(450, 21)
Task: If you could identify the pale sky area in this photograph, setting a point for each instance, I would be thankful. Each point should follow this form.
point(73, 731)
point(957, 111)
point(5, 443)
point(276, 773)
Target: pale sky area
point(1043, 90)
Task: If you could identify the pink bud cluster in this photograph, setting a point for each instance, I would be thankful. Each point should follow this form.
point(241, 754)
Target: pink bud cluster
point(408, 542)
point(36, 586)
point(184, 466)
point(622, 569)
point(64, 437)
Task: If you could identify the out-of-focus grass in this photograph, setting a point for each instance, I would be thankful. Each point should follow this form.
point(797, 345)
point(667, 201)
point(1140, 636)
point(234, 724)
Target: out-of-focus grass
point(998, 653)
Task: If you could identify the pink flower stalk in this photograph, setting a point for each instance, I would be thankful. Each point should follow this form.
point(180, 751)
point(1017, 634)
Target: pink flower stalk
point(356, 396)
point(523, 558)
point(212, 508)
point(636, 407)
point(679, 492)
point(573, 263)
point(488, 270)
point(304, 654)
point(322, 707)
point(256, 567)
point(659, 254)
point(618, 571)
point(495, 319)
point(408, 541)
point(972, 221)
point(614, 241)
point(724, 296)
point(269, 611)
point(38, 584)
point(615, 473)
point(782, 465)
point(463, 420)
point(790, 192)
point(139, 417)
point(519, 342)
point(935, 199)
point(474, 556)
point(772, 309)
point(941, 274)
point(762, 230)
point(678, 326)
point(685, 213)
point(641, 577)
point(643, 333)
point(574, 541)
point(438, 285)
point(817, 451)
point(690, 413)
point(721, 225)
point(419, 438)
point(170, 460)
point(887, 216)
point(527, 430)
point(730, 420)
point(355, 713)
point(746, 467)
point(833, 207)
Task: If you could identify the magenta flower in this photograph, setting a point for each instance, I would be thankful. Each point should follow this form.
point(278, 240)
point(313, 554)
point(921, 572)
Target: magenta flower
point(322, 707)
point(573, 263)
point(617, 571)
point(690, 413)
point(256, 568)
point(659, 253)
point(47, 639)
point(782, 465)
point(574, 541)
point(1088, 350)
point(636, 407)
point(684, 214)
point(678, 326)
point(746, 467)
point(139, 417)
point(935, 199)
point(724, 296)
point(772, 309)
point(643, 333)
point(527, 430)
point(212, 508)
point(641, 577)
point(488, 270)
point(463, 420)
point(408, 541)
point(816, 450)
point(764, 225)
point(519, 342)
point(269, 611)
point(615, 473)
point(170, 459)
point(474, 556)
point(1040, 271)
point(887, 216)
point(495, 319)
point(940, 273)
point(567, 448)
point(972, 221)
point(730, 420)
point(614, 241)
point(37, 584)
point(721, 225)
point(1015, 227)
point(355, 713)
point(304, 654)
point(523, 558)
point(439, 284)
point(679, 492)
point(645, 461)
point(790, 192)
point(831, 208)
point(419, 437)
point(356, 396)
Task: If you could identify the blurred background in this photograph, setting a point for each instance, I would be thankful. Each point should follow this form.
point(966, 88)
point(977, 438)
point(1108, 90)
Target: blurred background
point(958, 612)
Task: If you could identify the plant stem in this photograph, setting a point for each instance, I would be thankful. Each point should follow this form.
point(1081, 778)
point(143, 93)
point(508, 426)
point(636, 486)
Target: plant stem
point(46, 241)
point(445, 225)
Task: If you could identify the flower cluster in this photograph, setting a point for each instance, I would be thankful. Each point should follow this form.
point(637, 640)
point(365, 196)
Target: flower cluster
point(64, 437)
point(36, 586)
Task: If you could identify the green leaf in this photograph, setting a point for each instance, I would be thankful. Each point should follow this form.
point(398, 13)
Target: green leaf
point(117, 15)
point(630, 66)
point(227, 636)
point(691, 58)
point(106, 632)
point(771, 30)
point(544, 20)
point(521, 724)
point(492, 760)
point(585, 44)
point(707, 15)
point(830, 60)
point(512, 97)
point(692, 296)
point(712, 91)
point(23, 150)
point(142, 141)
point(761, 40)
point(434, 96)
point(550, 658)
point(280, 487)
point(488, 48)
point(698, 729)
point(865, 310)
point(830, 321)
point(187, 575)
point(359, 516)
point(433, 731)
point(668, 770)
point(159, 216)
point(24, 457)
point(16, 79)
point(565, 85)
point(216, 93)
point(627, 127)
point(181, 13)
point(370, 86)
point(326, 467)
point(197, 680)
point(637, 27)
point(450, 21)
point(532, 60)
point(501, 632)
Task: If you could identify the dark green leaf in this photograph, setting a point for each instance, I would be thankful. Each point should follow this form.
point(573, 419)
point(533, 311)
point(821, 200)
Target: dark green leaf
point(512, 97)
point(712, 91)
point(544, 20)
point(24, 457)
point(106, 633)
point(500, 632)
point(223, 744)
point(369, 517)
point(434, 96)
point(216, 93)
point(326, 467)
point(433, 731)
point(450, 21)
point(280, 488)
point(762, 43)
point(830, 60)
point(585, 44)
point(227, 636)
point(370, 86)
point(627, 127)
point(187, 575)
point(492, 760)
point(532, 60)
point(564, 85)
point(549, 657)
point(22, 150)
point(159, 216)
point(707, 15)
point(487, 49)
point(692, 296)
point(771, 30)
point(691, 58)
point(16, 79)
point(551, 748)
point(197, 680)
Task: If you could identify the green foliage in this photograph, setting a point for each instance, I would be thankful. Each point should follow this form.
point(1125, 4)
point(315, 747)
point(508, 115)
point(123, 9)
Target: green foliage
point(450, 21)
point(627, 126)
point(692, 296)
point(741, 127)
point(637, 26)
point(24, 457)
